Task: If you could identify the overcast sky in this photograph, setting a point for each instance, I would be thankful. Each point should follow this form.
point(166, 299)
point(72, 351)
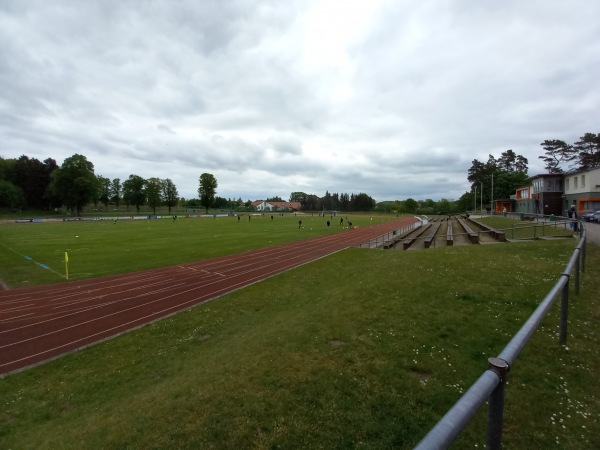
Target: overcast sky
point(391, 98)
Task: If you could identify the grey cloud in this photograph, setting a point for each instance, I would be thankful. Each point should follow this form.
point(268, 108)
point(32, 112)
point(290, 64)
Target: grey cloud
point(164, 88)
point(165, 129)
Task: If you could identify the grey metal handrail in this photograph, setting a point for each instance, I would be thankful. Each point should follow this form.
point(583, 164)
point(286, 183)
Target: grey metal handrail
point(490, 385)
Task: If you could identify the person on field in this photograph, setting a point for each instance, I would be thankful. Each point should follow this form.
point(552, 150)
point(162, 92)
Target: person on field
point(299, 224)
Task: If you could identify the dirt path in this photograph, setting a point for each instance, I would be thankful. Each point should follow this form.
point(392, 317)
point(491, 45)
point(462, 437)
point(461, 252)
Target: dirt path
point(592, 231)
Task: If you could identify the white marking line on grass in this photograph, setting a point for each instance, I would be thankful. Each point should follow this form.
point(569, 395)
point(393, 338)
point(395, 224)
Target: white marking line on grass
point(45, 266)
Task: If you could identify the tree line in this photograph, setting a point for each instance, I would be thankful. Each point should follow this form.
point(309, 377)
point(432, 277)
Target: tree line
point(333, 202)
point(584, 154)
point(28, 183)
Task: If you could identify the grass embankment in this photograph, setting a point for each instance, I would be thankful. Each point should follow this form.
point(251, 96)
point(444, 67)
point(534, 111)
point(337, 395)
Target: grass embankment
point(100, 248)
point(363, 349)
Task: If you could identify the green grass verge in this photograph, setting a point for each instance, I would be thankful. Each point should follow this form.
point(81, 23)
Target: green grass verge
point(362, 349)
point(100, 248)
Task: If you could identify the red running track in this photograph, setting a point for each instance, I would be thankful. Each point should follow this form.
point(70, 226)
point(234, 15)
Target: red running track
point(45, 322)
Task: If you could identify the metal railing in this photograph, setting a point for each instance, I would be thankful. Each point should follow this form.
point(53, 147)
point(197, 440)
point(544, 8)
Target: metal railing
point(490, 385)
point(379, 241)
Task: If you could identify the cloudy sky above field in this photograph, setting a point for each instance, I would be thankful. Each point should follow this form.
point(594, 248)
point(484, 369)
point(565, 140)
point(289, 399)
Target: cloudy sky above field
point(391, 98)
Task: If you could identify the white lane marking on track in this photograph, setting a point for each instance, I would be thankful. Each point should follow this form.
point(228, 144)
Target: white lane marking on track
point(77, 311)
point(16, 308)
point(15, 317)
point(210, 272)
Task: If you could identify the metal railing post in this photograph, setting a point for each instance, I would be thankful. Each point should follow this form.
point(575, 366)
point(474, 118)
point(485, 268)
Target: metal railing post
point(564, 311)
point(496, 404)
point(577, 271)
point(583, 255)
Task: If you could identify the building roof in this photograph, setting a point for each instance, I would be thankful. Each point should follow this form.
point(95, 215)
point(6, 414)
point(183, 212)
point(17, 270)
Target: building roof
point(282, 205)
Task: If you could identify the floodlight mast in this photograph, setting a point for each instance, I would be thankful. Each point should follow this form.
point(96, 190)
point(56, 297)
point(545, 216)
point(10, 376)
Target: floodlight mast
point(492, 209)
point(481, 200)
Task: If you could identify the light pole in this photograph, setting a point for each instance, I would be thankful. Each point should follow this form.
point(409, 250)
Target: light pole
point(475, 203)
point(481, 200)
point(492, 209)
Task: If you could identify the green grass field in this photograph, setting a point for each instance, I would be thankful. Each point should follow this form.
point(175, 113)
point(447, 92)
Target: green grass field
point(362, 349)
point(99, 248)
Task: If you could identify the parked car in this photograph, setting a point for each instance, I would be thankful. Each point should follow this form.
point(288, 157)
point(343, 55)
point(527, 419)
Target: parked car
point(596, 217)
point(589, 217)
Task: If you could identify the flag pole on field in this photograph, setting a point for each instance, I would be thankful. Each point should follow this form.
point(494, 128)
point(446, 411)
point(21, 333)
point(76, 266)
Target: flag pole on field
point(67, 265)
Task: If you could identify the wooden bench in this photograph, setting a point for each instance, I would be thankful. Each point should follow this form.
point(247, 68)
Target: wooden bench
point(435, 228)
point(408, 242)
point(389, 244)
point(473, 237)
point(449, 236)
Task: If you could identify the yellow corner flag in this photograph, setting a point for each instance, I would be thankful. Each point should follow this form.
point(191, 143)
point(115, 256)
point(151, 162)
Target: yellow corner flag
point(67, 265)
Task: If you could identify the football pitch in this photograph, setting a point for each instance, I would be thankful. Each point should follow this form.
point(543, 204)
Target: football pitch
point(34, 253)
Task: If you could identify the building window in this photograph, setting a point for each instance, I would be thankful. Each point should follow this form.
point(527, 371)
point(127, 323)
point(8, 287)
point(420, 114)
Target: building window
point(574, 182)
point(567, 184)
point(582, 181)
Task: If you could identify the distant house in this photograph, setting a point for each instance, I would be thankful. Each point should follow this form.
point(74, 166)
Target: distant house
point(583, 188)
point(547, 191)
point(504, 205)
point(262, 205)
point(522, 199)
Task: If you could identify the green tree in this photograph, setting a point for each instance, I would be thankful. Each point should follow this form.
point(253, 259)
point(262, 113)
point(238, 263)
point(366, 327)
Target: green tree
point(207, 190)
point(508, 173)
point(362, 202)
point(115, 191)
point(221, 203)
point(297, 196)
point(510, 162)
point(75, 183)
point(170, 194)
point(153, 190)
point(588, 151)
point(7, 169)
point(133, 191)
point(444, 206)
point(103, 190)
point(33, 177)
point(556, 153)
point(410, 205)
point(11, 196)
